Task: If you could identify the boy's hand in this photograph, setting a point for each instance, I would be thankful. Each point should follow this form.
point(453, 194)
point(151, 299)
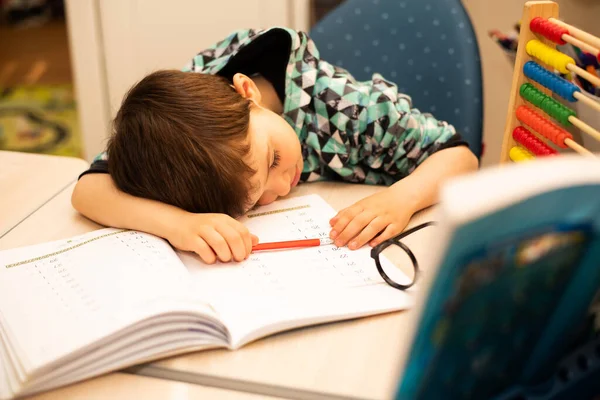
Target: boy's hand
point(213, 237)
point(381, 212)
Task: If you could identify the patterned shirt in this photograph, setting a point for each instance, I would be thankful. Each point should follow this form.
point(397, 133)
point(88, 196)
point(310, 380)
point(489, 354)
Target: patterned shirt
point(361, 132)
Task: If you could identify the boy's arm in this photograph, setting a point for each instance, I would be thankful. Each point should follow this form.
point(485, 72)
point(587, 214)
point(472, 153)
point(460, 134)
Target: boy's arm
point(422, 187)
point(389, 210)
point(211, 236)
point(97, 197)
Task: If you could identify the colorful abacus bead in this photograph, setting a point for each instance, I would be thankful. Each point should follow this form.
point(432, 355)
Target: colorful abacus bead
point(528, 140)
point(544, 102)
point(549, 56)
point(549, 30)
point(555, 83)
point(519, 154)
point(542, 126)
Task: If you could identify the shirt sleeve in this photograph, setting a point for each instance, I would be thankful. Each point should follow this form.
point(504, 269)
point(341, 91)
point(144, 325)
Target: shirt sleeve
point(400, 136)
point(99, 165)
point(384, 138)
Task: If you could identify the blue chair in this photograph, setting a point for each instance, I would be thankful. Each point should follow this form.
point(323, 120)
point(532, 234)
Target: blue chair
point(427, 47)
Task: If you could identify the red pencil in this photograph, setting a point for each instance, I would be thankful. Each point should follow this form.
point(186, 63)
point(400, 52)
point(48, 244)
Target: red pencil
point(291, 244)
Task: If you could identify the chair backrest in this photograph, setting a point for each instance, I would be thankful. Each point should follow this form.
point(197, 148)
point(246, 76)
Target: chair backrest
point(427, 47)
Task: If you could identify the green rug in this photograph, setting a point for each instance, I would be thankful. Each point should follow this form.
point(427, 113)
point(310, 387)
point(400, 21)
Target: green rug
point(40, 119)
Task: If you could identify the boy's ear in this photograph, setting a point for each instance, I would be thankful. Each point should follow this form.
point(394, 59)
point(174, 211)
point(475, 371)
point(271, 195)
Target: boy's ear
point(246, 88)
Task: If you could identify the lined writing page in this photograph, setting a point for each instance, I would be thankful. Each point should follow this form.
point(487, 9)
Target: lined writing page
point(59, 296)
point(325, 266)
point(293, 284)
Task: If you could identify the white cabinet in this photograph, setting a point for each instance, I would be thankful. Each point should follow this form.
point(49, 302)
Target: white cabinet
point(114, 43)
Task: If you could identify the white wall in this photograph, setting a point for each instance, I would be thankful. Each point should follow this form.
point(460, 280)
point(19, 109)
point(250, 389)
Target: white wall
point(143, 36)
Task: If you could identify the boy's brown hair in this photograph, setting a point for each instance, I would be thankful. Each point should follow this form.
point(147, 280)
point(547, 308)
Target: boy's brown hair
point(181, 138)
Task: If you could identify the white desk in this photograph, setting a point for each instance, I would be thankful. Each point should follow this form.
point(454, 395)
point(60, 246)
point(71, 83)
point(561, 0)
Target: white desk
point(347, 359)
point(27, 181)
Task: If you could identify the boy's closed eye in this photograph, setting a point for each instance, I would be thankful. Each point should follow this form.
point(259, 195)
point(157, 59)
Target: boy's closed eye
point(276, 159)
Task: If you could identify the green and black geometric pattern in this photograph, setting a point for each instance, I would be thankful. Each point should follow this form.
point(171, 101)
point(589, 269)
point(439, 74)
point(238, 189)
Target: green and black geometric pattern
point(363, 132)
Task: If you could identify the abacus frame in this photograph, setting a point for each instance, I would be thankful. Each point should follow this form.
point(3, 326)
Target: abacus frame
point(531, 10)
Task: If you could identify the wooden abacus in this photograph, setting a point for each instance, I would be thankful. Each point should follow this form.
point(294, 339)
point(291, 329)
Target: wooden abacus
point(534, 116)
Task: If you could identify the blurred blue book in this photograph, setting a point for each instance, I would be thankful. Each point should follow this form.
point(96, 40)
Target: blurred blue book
point(511, 290)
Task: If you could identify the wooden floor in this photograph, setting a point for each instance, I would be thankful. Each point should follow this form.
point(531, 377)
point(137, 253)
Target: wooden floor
point(35, 55)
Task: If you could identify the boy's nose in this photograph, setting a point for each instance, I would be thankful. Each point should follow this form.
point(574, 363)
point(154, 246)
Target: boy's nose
point(283, 185)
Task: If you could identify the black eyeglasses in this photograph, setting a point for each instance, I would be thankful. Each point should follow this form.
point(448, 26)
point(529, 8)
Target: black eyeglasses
point(395, 241)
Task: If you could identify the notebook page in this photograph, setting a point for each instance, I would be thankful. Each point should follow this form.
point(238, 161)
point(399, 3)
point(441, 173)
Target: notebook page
point(276, 271)
point(14, 374)
point(57, 297)
point(283, 280)
point(5, 386)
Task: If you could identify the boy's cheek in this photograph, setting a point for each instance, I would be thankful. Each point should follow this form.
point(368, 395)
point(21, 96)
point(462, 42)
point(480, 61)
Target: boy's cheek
point(266, 199)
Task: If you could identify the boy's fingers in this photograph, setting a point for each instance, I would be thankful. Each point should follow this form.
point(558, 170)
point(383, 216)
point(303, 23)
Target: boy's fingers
point(354, 227)
point(218, 244)
point(248, 238)
point(390, 231)
point(337, 216)
point(343, 219)
point(247, 242)
point(204, 251)
point(234, 240)
point(368, 233)
point(252, 241)
point(335, 219)
point(247, 245)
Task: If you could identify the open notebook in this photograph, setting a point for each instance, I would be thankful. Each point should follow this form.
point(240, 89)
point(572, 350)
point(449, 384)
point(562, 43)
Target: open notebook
point(73, 309)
